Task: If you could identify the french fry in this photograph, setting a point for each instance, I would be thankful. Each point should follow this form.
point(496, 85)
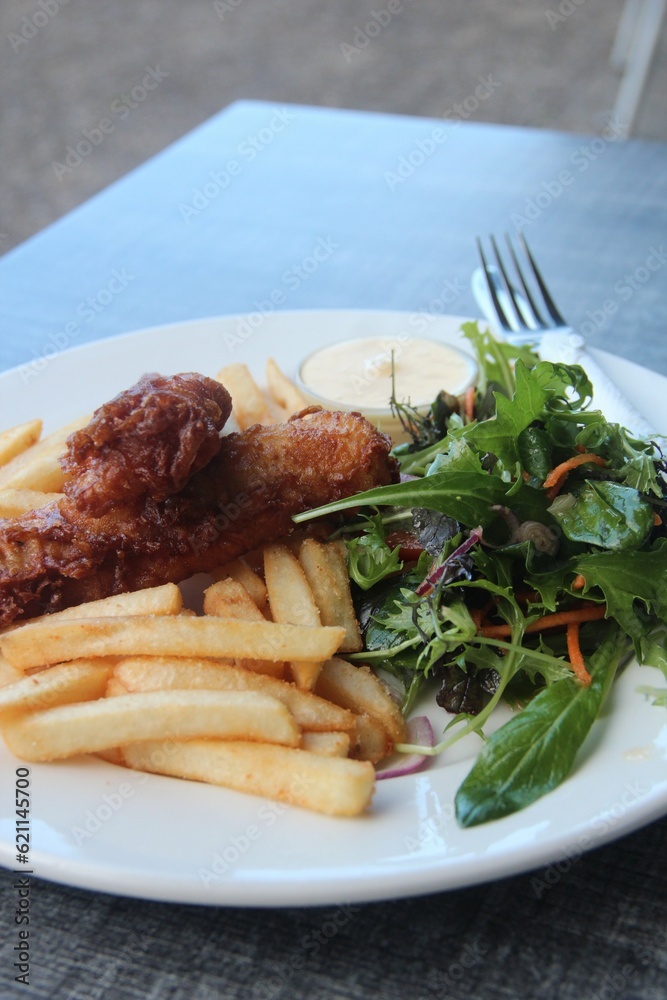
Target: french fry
point(116, 687)
point(291, 601)
point(13, 503)
point(45, 642)
point(358, 689)
point(59, 685)
point(149, 673)
point(249, 405)
point(240, 571)
point(229, 599)
point(38, 468)
point(141, 681)
point(18, 439)
point(88, 727)
point(326, 744)
point(369, 740)
point(326, 571)
point(290, 597)
point(8, 673)
point(164, 600)
point(283, 390)
point(112, 755)
point(335, 786)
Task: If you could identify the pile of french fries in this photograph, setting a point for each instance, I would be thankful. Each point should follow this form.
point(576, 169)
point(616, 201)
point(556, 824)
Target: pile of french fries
point(248, 695)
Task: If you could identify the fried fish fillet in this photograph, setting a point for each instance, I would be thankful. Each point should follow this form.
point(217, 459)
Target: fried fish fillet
point(150, 439)
point(110, 534)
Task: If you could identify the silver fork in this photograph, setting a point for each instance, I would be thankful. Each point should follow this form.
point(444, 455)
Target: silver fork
point(523, 321)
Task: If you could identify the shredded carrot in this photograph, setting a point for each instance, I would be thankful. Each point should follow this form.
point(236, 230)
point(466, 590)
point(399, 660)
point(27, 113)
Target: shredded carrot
point(557, 476)
point(477, 616)
point(588, 612)
point(526, 596)
point(575, 656)
point(470, 403)
point(657, 519)
point(580, 448)
point(525, 475)
point(579, 582)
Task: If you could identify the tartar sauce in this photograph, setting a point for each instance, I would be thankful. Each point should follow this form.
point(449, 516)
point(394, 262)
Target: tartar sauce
point(356, 375)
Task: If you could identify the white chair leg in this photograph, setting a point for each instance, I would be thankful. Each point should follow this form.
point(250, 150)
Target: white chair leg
point(648, 16)
point(625, 34)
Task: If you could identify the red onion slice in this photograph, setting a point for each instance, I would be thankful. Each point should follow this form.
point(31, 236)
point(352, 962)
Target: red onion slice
point(420, 732)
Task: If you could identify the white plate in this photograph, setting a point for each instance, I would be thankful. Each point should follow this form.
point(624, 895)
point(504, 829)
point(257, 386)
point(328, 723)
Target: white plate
point(102, 827)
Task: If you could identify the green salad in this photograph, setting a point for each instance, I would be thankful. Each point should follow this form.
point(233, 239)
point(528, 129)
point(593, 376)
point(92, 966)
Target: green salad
point(523, 558)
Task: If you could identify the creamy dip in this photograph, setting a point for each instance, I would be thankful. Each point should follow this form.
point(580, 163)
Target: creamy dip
point(358, 372)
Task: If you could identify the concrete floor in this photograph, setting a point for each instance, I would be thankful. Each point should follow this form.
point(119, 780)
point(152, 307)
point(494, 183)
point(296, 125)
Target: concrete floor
point(66, 62)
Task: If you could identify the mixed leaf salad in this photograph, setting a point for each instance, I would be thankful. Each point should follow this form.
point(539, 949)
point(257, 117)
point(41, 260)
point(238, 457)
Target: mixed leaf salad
point(522, 557)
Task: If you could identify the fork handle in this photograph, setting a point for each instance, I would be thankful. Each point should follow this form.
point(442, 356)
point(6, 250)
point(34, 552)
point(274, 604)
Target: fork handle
point(569, 348)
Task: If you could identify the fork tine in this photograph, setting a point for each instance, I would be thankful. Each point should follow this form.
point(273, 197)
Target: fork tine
point(548, 301)
point(508, 285)
point(500, 313)
point(524, 283)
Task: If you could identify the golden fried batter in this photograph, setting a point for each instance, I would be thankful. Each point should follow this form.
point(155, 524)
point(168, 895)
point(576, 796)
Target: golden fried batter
point(111, 534)
point(148, 440)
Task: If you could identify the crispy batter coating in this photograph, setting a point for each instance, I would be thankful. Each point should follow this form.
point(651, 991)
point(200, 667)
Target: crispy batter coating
point(61, 555)
point(149, 440)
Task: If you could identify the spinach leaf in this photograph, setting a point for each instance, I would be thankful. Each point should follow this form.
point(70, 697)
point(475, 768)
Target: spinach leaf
point(535, 751)
point(535, 451)
point(464, 691)
point(432, 529)
point(607, 514)
point(632, 459)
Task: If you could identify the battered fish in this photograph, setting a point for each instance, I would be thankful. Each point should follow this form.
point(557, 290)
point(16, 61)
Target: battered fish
point(127, 522)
